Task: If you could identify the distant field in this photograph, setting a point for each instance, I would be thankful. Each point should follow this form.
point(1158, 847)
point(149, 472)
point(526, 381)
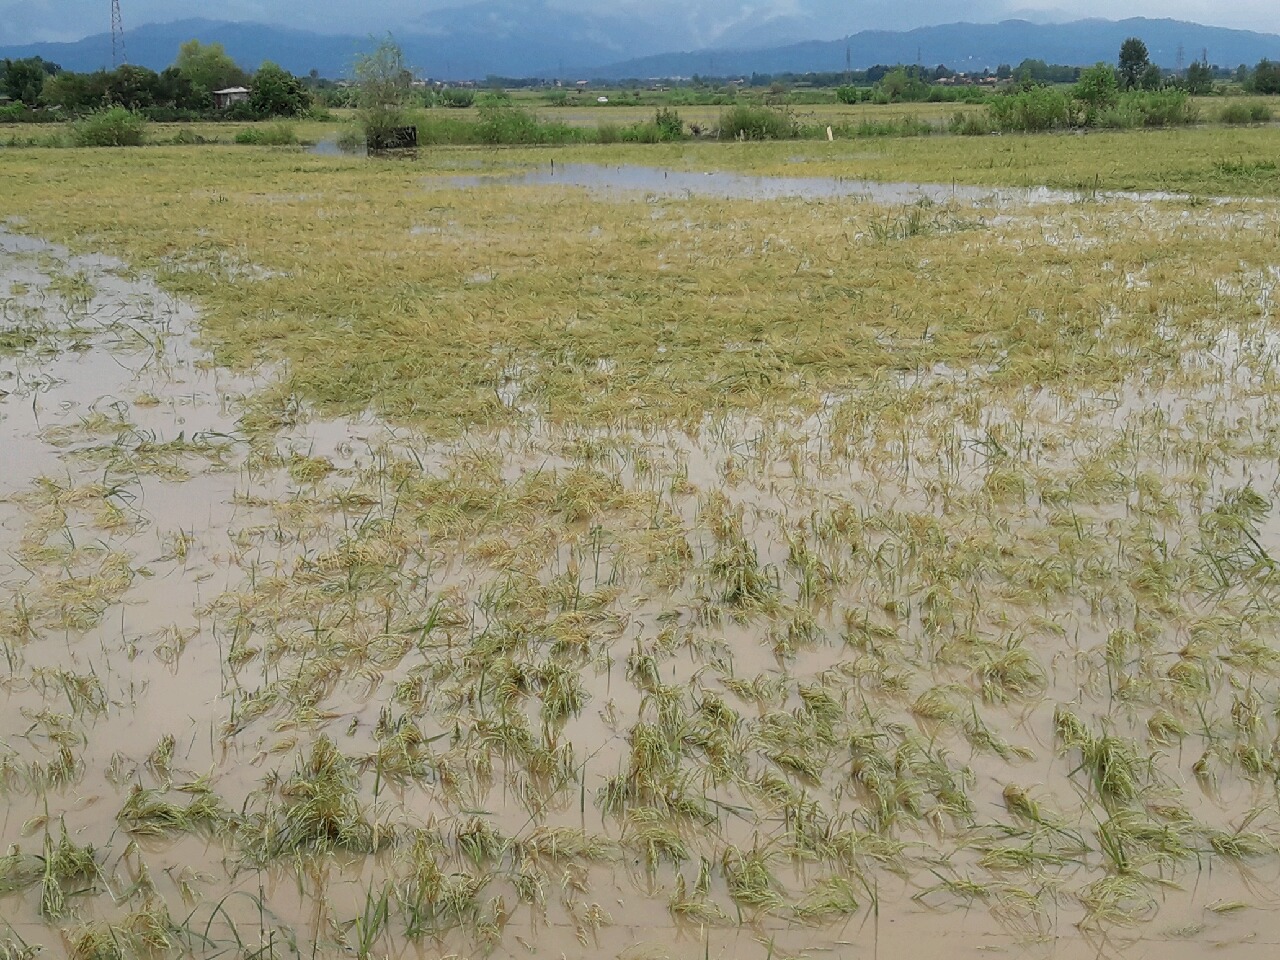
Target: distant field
point(589, 115)
point(707, 116)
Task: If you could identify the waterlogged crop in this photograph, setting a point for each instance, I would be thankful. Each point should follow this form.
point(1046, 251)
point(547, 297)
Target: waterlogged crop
point(397, 566)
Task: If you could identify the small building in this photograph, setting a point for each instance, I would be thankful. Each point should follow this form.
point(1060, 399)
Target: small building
point(225, 99)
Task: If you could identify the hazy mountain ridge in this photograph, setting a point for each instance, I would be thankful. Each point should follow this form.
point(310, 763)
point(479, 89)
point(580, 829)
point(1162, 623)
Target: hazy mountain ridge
point(968, 46)
point(509, 38)
point(519, 39)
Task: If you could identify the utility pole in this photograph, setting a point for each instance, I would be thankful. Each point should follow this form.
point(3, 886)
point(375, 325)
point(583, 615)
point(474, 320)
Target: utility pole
point(118, 56)
point(1181, 52)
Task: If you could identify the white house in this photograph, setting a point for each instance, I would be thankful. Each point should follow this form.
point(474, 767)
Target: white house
point(223, 99)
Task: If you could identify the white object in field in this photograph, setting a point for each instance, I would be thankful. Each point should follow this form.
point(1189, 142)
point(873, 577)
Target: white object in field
point(830, 135)
point(602, 99)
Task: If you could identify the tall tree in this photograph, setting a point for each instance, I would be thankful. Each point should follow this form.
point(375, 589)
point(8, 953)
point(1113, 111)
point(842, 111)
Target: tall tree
point(208, 66)
point(1097, 90)
point(132, 87)
point(385, 85)
point(23, 79)
point(176, 91)
point(1266, 77)
point(1199, 78)
point(278, 93)
point(1134, 61)
point(74, 91)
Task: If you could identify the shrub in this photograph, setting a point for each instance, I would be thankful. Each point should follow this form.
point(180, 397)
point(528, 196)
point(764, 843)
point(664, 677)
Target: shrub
point(502, 123)
point(1245, 113)
point(48, 140)
point(746, 122)
point(647, 132)
point(669, 124)
point(351, 140)
point(848, 94)
point(438, 129)
point(1123, 115)
point(172, 115)
point(188, 137)
point(1149, 108)
point(970, 124)
point(270, 135)
point(241, 112)
point(114, 127)
point(1164, 108)
point(1098, 90)
point(1039, 108)
point(904, 126)
point(457, 97)
point(608, 133)
point(384, 89)
point(21, 113)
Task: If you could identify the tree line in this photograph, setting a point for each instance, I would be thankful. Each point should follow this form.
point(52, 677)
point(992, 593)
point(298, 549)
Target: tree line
point(39, 89)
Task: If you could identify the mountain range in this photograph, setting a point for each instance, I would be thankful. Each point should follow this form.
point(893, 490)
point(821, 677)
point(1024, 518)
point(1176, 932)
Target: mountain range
point(970, 46)
point(514, 39)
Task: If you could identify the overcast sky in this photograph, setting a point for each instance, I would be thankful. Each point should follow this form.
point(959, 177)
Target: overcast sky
point(32, 20)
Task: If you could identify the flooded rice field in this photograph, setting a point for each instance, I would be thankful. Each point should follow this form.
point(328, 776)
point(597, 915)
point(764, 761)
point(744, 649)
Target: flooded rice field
point(937, 663)
point(663, 182)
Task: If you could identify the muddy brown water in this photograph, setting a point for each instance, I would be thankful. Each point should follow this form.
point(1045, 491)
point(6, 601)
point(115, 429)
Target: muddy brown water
point(119, 375)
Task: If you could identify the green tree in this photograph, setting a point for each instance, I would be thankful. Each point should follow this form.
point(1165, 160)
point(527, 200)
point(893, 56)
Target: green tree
point(23, 79)
point(1152, 78)
point(132, 87)
point(1266, 77)
point(901, 84)
point(1098, 90)
point(208, 66)
point(1199, 79)
point(385, 87)
point(1134, 61)
point(71, 92)
point(458, 97)
point(177, 91)
point(1031, 71)
point(278, 93)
